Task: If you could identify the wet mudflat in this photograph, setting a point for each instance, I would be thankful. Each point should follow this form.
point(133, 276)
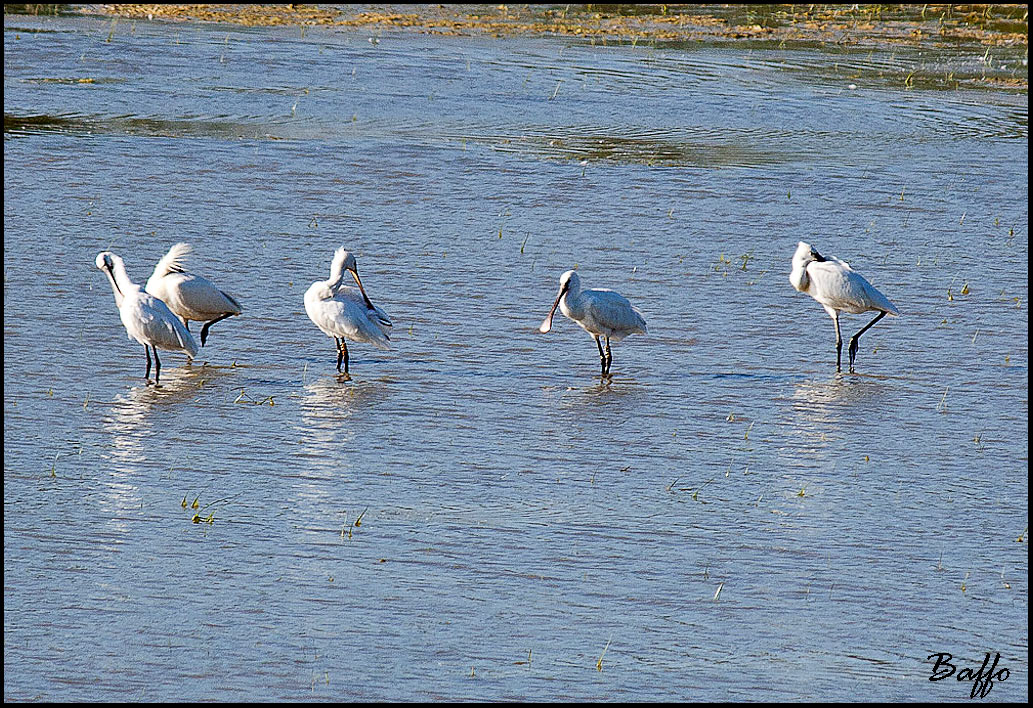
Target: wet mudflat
point(477, 514)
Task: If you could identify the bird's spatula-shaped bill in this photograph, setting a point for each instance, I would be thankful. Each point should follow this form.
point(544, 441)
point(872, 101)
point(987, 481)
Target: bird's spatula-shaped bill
point(546, 324)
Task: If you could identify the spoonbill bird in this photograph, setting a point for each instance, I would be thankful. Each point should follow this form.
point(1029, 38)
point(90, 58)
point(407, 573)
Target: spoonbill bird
point(600, 312)
point(147, 319)
point(838, 288)
point(344, 312)
point(188, 295)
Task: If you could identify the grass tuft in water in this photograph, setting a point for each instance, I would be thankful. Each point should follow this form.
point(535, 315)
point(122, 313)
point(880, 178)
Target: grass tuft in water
point(599, 664)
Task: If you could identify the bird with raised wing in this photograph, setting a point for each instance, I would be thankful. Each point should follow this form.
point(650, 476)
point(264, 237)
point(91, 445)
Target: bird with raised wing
point(190, 296)
point(600, 312)
point(147, 319)
point(345, 312)
point(838, 288)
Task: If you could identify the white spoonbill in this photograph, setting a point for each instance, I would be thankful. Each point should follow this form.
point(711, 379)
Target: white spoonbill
point(188, 295)
point(147, 319)
point(838, 288)
point(344, 312)
point(600, 312)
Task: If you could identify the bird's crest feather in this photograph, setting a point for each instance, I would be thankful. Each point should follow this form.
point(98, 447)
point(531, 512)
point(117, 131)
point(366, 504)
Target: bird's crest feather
point(175, 260)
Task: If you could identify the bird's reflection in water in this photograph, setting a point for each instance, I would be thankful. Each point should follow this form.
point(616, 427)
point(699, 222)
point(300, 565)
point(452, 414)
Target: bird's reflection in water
point(330, 408)
point(604, 390)
point(130, 422)
point(819, 405)
point(134, 422)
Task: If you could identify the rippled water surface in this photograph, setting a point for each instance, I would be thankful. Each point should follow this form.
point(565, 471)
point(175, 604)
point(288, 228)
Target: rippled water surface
point(477, 514)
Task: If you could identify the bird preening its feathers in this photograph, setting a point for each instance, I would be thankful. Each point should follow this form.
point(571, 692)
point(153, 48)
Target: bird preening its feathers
point(146, 318)
point(345, 312)
point(190, 296)
point(838, 288)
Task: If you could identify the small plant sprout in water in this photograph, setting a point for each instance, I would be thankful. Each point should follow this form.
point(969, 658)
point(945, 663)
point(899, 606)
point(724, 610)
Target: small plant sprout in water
point(695, 493)
point(978, 440)
point(599, 664)
point(245, 398)
point(357, 523)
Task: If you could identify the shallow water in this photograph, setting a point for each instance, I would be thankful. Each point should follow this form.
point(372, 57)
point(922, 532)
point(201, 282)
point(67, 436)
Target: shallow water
point(725, 519)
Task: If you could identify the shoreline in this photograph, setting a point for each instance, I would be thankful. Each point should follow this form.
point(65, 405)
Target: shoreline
point(990, 41)
point(989, 25)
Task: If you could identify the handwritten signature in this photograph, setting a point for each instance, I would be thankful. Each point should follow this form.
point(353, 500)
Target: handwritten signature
point(982, 680)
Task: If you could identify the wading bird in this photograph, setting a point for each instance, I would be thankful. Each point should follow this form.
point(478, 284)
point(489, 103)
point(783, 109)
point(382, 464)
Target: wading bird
point(601, 313)
point(188, 295)
point(147, 319)
point(344, 312)
point(837, 288)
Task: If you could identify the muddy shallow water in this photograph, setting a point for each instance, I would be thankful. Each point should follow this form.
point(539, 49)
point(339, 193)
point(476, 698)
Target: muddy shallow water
point(724, 519)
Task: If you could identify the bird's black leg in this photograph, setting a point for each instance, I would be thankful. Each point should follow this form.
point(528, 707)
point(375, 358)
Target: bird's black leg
point(853, 340)
point(839, 344)
point(147, 376)
point(609, 356)
point(157, 365)
point(344, 351)
point(602, 356)
point(204, 330)
point(340, 355)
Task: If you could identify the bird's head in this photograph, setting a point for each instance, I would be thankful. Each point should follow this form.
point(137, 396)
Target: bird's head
point(806, 253)
point(108, 262)
point(569, 282)
point(105, 261)
point(345, 261)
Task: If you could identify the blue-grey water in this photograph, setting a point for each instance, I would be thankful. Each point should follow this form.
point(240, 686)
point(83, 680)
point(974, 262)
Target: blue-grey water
point(477, 514)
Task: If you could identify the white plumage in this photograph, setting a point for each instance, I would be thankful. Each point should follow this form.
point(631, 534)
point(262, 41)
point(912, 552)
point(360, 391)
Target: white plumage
point(838, 288)
point(147, 319)
point(190, 296)
point(345, 312)
point(600, 312)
